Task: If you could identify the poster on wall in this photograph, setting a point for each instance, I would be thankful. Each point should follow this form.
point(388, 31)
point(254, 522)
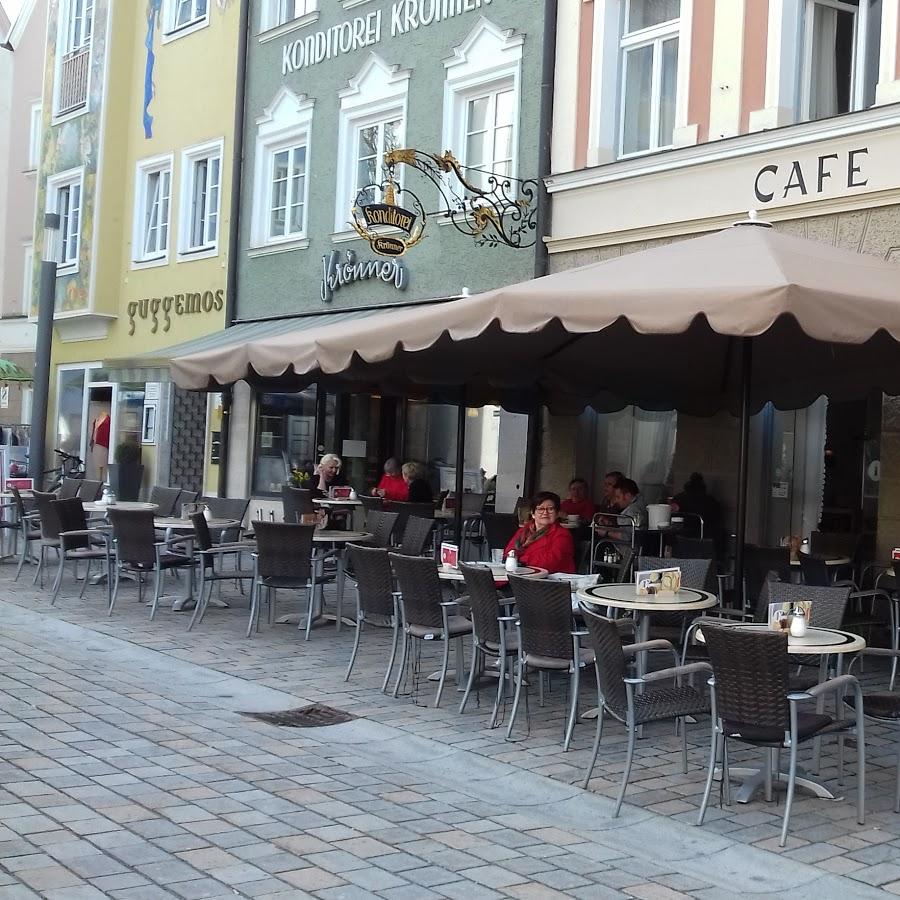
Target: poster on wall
point(148, 423)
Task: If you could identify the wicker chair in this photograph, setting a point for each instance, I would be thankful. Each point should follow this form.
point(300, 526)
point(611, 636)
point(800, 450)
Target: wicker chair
point(68, 489)
point(405, 510)
point(489, 636)
point(695, 573)
point(234, 508)
point(548, 641)
point(166, 499)
point(416, 535)
point(284, 561)
point(499, 529)
point(30, 530)
point(381, 524)
point(212, 556)
point(297, 502)
point(751, 702)
point(375, 596)
point(49, 522)
point(760, 564)
point(425, 614)
point(184, 496)
point(617, 693)
point(78, 543)
point(89, 491)
point(139, 552)
point(370, 505)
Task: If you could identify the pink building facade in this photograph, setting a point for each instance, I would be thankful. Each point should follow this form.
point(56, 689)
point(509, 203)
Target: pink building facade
point(21, 86)
point(674, 118)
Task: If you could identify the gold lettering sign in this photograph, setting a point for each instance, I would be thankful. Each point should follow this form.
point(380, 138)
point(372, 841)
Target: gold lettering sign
point(159, 310)
point(370, 220)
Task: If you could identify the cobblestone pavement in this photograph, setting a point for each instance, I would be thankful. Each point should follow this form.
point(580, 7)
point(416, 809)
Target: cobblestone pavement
point(126, 771)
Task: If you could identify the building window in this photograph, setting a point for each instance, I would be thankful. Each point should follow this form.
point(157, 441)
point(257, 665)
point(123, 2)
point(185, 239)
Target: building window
point(373, 113)
point(27, 278)
point(186, 14)
point(649, 50)
point(482, 102)
point(35, 129)
point(64, 198)
point(279, 12)
point(282, 165)
point(77, 25)
point(843, 43)
point(200, 195)
point(285, 438)
point(152, 210)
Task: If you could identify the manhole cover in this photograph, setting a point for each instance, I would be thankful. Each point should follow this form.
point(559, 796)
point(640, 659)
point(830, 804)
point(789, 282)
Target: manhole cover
point(313, 716)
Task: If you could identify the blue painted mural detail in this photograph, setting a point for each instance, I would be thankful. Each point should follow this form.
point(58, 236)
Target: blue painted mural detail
point(153, 13)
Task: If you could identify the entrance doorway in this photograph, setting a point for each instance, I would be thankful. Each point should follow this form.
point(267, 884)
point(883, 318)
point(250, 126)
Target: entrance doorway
point(101, 430)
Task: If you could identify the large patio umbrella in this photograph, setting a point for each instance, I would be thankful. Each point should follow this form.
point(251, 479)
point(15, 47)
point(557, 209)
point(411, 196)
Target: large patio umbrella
point(727, 321)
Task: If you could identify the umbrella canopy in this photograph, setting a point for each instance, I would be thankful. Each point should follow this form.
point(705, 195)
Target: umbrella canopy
point(9, 371)
point(662, 329)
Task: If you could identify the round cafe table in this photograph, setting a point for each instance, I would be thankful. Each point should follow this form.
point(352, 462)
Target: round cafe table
point(96, 507)
point(449, 573)
point(328, 503)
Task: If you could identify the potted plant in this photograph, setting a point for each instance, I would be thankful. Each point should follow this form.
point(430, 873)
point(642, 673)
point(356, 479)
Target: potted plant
point(300, 478)
point(126, 473)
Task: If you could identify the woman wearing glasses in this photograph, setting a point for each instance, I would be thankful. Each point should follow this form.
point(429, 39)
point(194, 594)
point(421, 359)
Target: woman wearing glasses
point(542, 541)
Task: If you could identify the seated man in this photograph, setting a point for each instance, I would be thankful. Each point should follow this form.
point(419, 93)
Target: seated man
point(578, 503)
point(630, 503)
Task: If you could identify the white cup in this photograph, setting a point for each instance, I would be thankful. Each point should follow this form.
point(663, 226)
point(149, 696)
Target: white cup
point(573, 520)
point(497, 556)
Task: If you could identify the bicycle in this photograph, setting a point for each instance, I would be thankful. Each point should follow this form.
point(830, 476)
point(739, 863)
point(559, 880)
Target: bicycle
point(70, 466)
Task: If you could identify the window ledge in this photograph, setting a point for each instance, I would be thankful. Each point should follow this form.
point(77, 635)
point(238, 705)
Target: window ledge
point(69, 269)
point(185, 30)
point(279, 31)
point(83, 325)
point(278, 247)
point(59, 118)
point(153, 263)
point(200, 253)
point(350, 4)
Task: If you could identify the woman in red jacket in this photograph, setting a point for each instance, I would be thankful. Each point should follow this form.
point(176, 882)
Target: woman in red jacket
point(543, 542)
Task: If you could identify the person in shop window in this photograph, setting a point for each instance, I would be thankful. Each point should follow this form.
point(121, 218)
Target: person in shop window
point(542, 542)
point(393, 485)
point(578, 503)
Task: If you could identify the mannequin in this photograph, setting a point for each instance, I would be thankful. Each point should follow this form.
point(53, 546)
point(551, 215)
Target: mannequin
point(99, 445)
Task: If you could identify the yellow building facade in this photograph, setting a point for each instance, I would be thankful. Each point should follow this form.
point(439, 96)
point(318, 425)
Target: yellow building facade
point(154, 222)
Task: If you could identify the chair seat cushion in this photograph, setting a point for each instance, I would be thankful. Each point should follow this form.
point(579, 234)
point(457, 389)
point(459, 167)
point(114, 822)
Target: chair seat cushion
point(665, 703)
point(457, 625)
point(556, 663)
point(174, 560)
point(878, 704)
point(512, 645)
point(284, 581)
point(86, 553)
point(808, 725)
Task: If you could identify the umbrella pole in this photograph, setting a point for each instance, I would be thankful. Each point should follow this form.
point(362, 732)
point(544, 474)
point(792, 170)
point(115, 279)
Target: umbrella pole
point(460, 473)
point(743, 467)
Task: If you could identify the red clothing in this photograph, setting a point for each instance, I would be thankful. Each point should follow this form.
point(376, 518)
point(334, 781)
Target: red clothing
point(394, 487)
point(584, 509)
point(555, 551)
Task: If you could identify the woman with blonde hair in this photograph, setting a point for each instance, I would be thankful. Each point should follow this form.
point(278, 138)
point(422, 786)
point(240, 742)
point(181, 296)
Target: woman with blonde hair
point(328, 475)
point(419, 488)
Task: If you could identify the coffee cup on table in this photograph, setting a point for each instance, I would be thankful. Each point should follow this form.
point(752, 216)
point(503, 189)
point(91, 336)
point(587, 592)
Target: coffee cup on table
point(573, 520)
point(497, 556)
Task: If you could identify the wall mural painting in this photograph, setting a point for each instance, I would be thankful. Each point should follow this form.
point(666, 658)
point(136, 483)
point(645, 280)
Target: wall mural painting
point(153, 14)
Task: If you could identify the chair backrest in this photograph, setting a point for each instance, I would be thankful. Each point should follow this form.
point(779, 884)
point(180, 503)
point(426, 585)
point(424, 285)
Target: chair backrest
point(545, 614)
point(381, 523)
point(297, 502)
point(284, 549)
point(165, 498)
point(499, 529)
point(184, 496)
point(483, 601)
point(693, 548)
point(472, 504)
point(134, 535)
point(201, 531)
point(374, 580)
point(759, 565)
point(90, 490)
point(23, 505)
point(694, 572)
point(623, 569)
point(420, 587)
point(828, 603)
point(44, 501)
point(415, 535)
point(606, 642)
point(372, 504)
point(814, 570)
point(405, 510)
point(228, 508)
point(68, 488)
point(751, 673)
point(70, 516)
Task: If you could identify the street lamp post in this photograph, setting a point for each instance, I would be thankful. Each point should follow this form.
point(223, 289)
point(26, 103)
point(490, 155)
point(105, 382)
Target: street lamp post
point(46, 309)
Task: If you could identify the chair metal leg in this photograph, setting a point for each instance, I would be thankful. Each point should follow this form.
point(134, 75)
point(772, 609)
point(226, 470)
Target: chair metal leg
point(501, 687)
point(520, 677)
point(445, 662)
point(683, 721)
point(200, 605)
point(57, 582)
point(87, 575)
point(471, 680)
point(789, 797)
point(403, 655)
point(395, 627)
point(359, 628)
point(716, 741)
point(311, 602)
point(254, 606)
point(598, 734)
point(40, 566)
point(632, 736)
point(157, 589)
point(22, 558)
point(115, 593)
point(574, 685)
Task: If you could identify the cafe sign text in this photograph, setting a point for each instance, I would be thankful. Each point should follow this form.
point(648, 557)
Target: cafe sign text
point(338, 272)
point(159, 310)
point(795, 179)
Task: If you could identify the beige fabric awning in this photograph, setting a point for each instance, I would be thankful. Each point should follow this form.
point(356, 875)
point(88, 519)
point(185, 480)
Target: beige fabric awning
point(659, 328)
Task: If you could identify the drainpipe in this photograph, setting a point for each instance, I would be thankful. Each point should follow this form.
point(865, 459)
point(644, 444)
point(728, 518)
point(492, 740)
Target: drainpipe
point(234, 232)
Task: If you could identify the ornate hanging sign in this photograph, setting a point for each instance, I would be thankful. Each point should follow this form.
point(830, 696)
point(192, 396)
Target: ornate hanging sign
point(389, 228)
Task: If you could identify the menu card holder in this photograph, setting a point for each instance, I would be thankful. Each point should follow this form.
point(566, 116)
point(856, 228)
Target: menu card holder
point(658, 581)
point(780, 614)
point(449, 555)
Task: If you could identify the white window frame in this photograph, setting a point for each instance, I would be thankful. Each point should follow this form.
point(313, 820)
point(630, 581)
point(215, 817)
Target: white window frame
point(56, 184)
point(274, 13)
point(284, 124)
point(145, 169)
point(73, 36)
point(189, 158)
point(378, 93)
point(27, 278)
point(171, 31)
point(66, 44)
point(35, 134)
point(653, 36)
point(489, 60)
point(860, 47)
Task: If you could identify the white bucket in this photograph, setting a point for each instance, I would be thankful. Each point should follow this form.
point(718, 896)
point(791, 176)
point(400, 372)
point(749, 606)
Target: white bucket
point(659, 515)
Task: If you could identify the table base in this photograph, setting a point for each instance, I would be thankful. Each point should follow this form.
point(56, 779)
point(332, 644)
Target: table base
point(755, 780)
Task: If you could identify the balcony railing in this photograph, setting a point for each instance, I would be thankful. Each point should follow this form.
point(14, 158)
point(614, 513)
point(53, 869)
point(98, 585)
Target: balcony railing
point(73, 80)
